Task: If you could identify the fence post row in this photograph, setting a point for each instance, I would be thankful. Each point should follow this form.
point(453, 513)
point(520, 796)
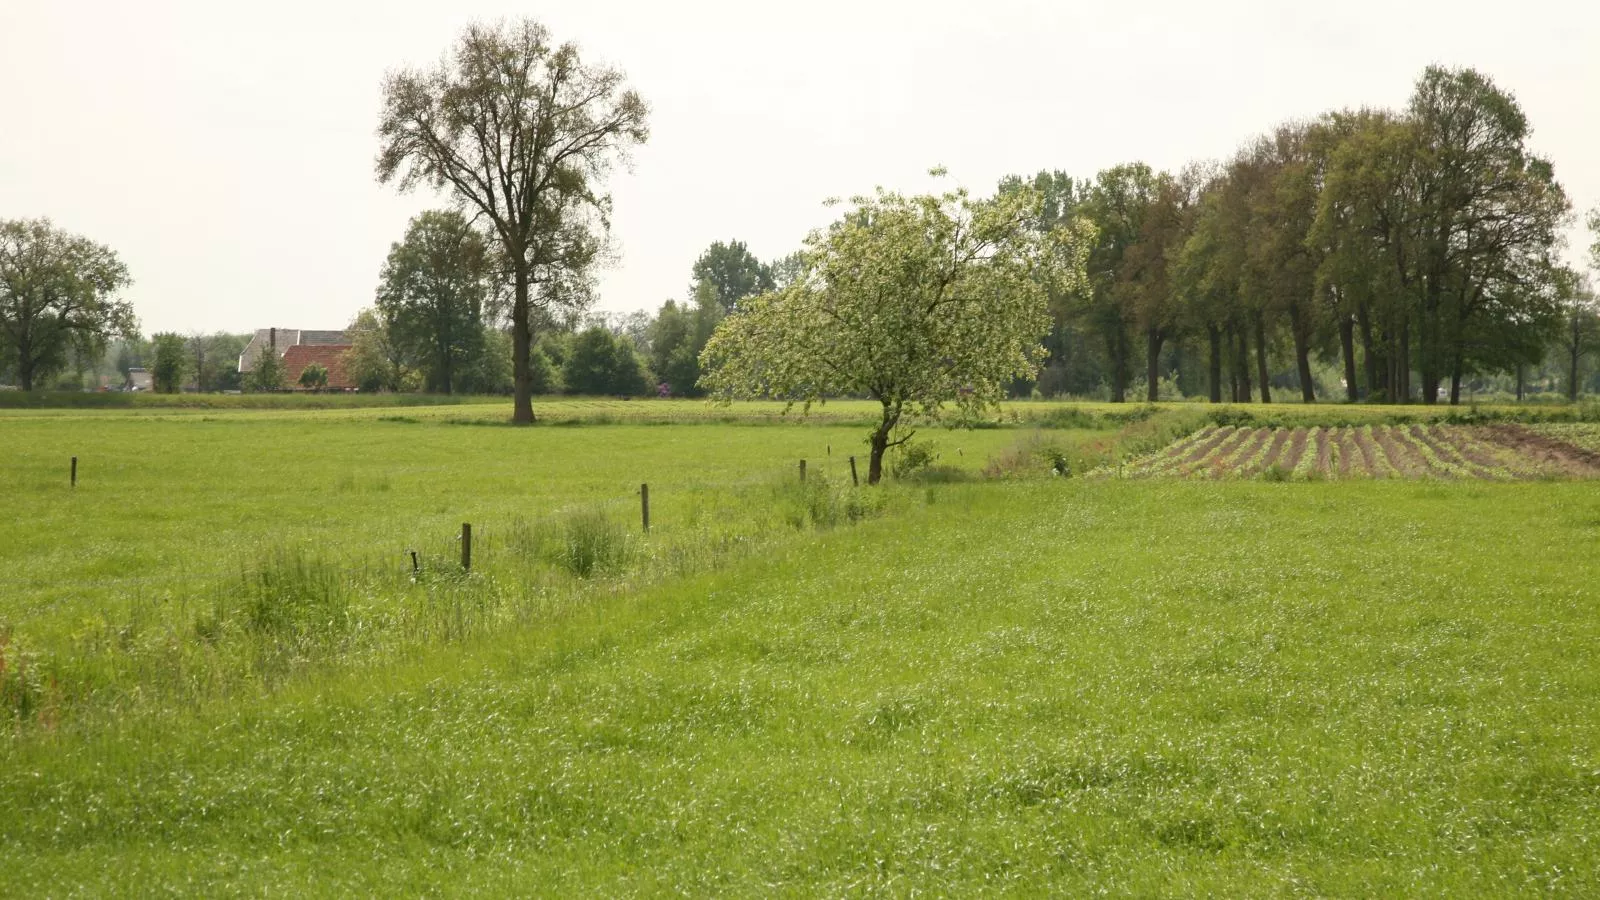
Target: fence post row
point(466, 527)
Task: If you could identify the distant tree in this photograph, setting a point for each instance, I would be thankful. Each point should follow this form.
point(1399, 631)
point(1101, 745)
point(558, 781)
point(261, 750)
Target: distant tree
point(1145, 278)
point(172, 361)
point(912, 301)
point(733, 273)
point(1594, 236)
point(1580, 331)
point(198, 347)
point(431, 295)
point(522, 133)
point(221, 365)
point(678, 336)
point(1116, 205)
point(268, 374)
point(1490, 216)
point(787, 270)
point(601, 363)
point(490, 370)
point(373, 362)
point(57, 292)
point(314, 377)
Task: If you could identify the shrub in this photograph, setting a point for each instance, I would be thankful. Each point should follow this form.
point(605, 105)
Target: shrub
point(911, 458)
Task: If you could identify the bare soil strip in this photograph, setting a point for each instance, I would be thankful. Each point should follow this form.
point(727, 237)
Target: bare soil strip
point(1297, 446)
point(1348, 453)
point(1369, 453)
point(1449, 453)
point(1280, 440)
point(1403, 459)
point(1203, 449)
point(1495, 452)
point(1472, 444)
point(1218, 448)
point(1236, 462)
point(1564, 457)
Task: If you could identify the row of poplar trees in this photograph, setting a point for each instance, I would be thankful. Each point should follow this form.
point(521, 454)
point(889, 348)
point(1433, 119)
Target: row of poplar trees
point(1417, 248)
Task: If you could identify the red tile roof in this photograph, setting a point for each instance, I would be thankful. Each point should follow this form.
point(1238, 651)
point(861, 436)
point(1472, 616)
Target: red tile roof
point(331, 356)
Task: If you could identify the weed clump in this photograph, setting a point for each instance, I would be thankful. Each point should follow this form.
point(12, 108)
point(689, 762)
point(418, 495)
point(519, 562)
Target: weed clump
point(911, 458)
point(291, 594)
point(819, 503)
point(591, 544)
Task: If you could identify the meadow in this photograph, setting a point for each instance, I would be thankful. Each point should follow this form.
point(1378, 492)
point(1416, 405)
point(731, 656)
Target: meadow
point(221, 674)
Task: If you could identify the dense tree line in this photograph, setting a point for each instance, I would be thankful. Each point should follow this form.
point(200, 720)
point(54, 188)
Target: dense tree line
point(1407, 251)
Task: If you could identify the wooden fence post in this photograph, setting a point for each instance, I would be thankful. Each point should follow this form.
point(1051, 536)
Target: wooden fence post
point(644, 505)
point(466, 547)
point(853, 479)
point(74, 471)
point(802, 470)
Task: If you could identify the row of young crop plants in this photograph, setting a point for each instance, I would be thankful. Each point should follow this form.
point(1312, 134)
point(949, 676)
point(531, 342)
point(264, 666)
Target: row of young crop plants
point(1585, 435)
point(1316, 453)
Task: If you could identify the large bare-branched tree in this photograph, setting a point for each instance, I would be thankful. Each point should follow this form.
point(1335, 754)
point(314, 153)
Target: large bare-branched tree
point(523, 133)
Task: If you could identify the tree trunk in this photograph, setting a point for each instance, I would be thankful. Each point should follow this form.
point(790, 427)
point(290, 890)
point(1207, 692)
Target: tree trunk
point(1153, 365)
point(1261, 358)
point(1373, 360)
point(1455, 379)
point(880, 441)
point(521, 348)
point(1119, 368)
point(1242, 366)
point(25, 372)
point(1402, 365)
point(1347, 348)
point(1302, 361)
point(1577, 354)
point(1214, 371)
point(1520, 370)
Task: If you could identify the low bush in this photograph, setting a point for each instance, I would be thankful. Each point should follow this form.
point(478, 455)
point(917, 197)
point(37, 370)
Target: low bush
point(912, 457)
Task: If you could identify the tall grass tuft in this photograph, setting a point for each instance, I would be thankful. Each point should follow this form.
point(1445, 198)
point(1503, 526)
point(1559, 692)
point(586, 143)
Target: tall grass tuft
point(592, 543)
point(293, 595)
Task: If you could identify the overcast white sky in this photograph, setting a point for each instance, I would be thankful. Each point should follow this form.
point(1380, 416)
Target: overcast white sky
point(225, 149)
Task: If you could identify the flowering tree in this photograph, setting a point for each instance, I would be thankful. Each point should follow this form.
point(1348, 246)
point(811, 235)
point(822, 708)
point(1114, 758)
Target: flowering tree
point(917, 302)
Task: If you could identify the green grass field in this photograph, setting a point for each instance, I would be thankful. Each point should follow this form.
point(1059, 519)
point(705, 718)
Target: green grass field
point(221, 677)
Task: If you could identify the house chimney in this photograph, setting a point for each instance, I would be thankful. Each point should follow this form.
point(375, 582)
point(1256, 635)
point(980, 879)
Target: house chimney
point(272, 339)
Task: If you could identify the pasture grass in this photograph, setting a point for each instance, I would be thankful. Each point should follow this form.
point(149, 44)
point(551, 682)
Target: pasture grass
point(1364, 688)
point(220, 674)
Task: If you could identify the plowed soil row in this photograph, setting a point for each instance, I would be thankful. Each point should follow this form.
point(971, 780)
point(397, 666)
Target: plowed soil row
point(1494, 452)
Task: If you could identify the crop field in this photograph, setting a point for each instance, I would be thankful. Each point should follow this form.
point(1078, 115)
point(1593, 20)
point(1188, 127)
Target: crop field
point(1497, 453)
point(1585, 435)
point(221, 672)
